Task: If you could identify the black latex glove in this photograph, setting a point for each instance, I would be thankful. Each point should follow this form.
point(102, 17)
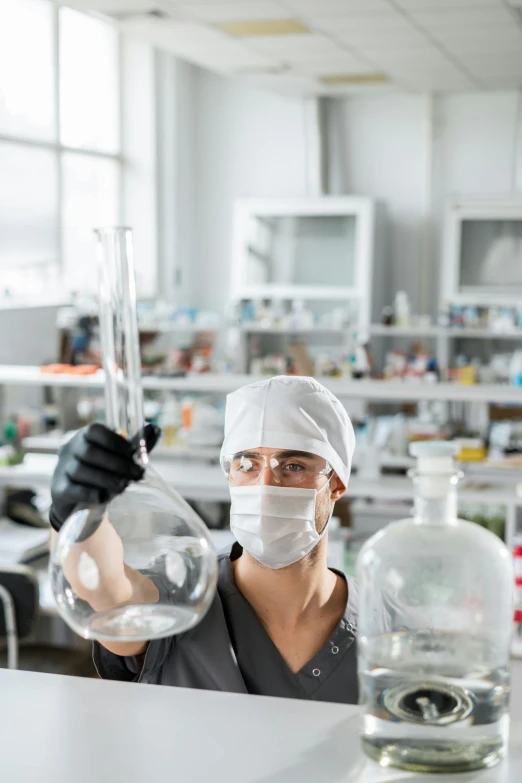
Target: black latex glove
point(93, 467)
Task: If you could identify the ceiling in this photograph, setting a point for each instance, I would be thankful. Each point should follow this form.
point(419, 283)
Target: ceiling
point(337, 46)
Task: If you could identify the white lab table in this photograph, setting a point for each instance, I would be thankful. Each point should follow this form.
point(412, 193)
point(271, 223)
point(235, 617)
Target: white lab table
point(61, 729)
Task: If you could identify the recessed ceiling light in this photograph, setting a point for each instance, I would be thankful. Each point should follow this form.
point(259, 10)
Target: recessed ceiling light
point(354, 78)
point(246, 28)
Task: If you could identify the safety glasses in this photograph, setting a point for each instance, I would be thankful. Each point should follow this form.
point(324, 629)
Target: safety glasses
point(288, 468)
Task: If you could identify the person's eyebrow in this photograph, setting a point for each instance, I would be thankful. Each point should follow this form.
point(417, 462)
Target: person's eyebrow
point(283, 454)
point(287, 454)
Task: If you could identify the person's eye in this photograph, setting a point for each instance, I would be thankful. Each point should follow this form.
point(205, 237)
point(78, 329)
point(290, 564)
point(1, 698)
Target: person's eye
point(247, 466)
point(294, 467)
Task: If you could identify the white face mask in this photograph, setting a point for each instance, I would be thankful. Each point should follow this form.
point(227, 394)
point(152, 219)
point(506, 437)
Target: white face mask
point(276, 525)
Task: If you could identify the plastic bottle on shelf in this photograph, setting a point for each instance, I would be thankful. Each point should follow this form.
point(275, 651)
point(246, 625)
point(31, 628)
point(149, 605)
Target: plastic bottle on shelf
point(336, 544)
point(515, 369)
point(402, 309)
point(170, 421)
point(435, 628)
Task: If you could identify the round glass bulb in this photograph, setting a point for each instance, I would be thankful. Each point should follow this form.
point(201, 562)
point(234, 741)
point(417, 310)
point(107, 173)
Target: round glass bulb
point(141, 568)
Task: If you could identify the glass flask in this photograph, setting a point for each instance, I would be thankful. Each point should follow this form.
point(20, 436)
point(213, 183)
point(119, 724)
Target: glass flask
point(435, 619)
point(143, 566)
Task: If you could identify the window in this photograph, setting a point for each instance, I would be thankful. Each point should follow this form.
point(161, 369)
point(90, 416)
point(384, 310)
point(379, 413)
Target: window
point(60, 155)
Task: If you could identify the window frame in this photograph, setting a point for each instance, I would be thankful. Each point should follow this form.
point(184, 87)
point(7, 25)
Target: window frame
point(60, 149)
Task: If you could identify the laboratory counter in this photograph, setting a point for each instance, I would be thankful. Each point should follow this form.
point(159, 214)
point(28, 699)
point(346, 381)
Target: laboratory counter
point(61, 729)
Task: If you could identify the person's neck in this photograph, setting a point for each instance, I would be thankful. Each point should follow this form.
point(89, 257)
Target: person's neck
point(289, 596)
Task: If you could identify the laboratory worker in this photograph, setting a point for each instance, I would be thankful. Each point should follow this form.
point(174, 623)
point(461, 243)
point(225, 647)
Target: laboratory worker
point(282, 622)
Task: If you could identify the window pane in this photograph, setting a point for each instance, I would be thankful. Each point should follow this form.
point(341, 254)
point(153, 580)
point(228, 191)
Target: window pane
point(90, 200)
point(26, 69)
point(28, 216)
point(89, 80)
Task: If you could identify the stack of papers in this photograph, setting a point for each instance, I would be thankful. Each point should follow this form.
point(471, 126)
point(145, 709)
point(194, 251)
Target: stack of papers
point(20, 543)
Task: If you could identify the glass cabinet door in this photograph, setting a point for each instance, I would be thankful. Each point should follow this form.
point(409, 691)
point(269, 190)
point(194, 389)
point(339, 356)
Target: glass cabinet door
point(301, 250)
point(490, 255)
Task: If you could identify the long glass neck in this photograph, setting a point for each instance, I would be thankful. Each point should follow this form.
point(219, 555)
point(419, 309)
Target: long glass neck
point(435, 501)
point(119, 335)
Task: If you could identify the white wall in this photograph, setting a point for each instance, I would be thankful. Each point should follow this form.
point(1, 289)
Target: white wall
point(409, 151)
point(383, 144)
point(246, 143)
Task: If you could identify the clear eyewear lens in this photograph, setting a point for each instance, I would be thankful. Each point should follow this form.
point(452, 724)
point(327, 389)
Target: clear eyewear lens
point(287, 471)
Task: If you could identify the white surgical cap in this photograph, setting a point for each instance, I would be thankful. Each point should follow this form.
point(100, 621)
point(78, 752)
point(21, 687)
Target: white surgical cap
point(290, 413)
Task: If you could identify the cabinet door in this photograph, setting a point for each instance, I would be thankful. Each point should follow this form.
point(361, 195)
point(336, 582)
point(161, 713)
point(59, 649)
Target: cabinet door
point(490, 255)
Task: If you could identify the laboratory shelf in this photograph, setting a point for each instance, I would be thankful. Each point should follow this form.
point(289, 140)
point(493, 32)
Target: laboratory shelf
point(166, 328)
point(209, 483)
point(210, 383)
point(441, 331)
point(259, 329)
point(53, 441)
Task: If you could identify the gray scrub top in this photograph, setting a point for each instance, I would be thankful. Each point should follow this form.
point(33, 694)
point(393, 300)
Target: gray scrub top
point(230, 650)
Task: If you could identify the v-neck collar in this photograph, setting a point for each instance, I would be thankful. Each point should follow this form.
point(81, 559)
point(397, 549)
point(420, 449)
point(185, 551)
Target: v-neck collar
point(314, 673)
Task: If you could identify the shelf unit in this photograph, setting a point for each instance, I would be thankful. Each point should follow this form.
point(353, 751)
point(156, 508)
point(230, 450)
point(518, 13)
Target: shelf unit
point(167, 328)
point(379, 330)
point(209, 383)
point(208, 484)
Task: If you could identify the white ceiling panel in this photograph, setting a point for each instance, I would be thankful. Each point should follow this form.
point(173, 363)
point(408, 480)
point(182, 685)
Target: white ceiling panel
point(437, 82)
point(488, 48)
point(384, 23)
point(480, 42)
point(319, 8)
point(428, 45)
point(295, 48)
point(353, 90)
point(186, 40)
point(405, 61)
point(415, 5)
point(190, 3)
point(124, 8)
point(234, 12)
point(494, 66)
point(387, 39)
point(332, 65)
point(436, 19)
point(502, 82)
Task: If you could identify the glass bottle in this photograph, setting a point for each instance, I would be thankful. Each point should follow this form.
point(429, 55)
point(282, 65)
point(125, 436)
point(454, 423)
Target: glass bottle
point(435, 619)
point(143, 566)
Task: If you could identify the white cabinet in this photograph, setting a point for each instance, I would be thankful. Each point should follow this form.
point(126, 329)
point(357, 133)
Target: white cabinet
point(482, 262)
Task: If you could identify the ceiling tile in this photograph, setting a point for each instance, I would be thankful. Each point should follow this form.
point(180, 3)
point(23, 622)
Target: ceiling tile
point(362, 25)
point(396, 49)
point(437, 82)
point(354, 90)
point(496, 66)
point(233, 12)
point(414, 5)
point(339, 64)
point(513, 82)
point(295, 48)
point(466, 40)
point(441, 18)
point(320, 8)
point(387, 39)
point(407, 60)
point(487, 47)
